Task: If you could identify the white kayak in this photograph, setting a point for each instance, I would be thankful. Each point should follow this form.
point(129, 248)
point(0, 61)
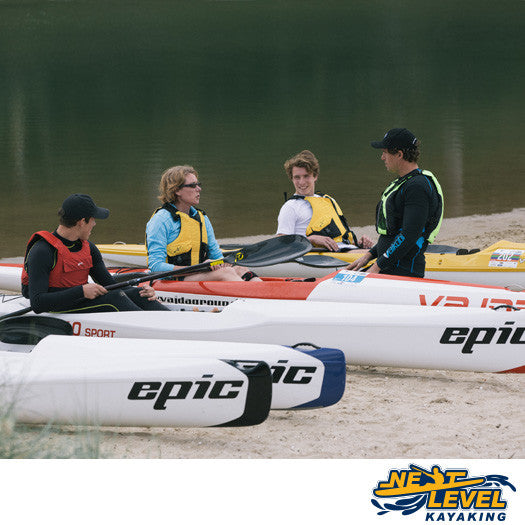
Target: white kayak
point(106, 390)
point(359, 287)
point(344, 286)
point(301, 377)
point(470, 339)
point(10, 277)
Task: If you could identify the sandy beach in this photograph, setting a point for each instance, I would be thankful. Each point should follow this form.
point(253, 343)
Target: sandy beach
point(384, 413)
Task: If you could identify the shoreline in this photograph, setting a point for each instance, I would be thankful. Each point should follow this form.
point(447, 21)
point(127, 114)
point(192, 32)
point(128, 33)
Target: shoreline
point(470, 231)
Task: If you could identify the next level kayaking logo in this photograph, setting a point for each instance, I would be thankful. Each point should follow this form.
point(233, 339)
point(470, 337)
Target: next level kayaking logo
point(450, 495)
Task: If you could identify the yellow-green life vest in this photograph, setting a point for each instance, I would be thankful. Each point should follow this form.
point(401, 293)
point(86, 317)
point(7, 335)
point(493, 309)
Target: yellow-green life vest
point(434, 223)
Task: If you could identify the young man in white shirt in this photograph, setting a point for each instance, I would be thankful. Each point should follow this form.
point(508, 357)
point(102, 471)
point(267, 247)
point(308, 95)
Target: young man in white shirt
point(317, 217)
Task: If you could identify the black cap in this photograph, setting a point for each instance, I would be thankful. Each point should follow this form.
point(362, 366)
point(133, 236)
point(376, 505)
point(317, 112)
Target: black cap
point(396, 138)
point(79, 206)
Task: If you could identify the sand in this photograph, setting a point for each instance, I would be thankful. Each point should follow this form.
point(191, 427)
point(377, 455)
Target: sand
point(384, 413)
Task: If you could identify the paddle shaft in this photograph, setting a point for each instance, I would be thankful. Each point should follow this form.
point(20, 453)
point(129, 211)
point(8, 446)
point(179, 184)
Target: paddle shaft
point(264, 253)
point(197, 268)
point(270, 251)
point(147, 277)
point(16, 312)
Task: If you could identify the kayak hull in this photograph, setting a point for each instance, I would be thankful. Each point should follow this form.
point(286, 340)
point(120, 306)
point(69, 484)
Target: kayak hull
point(146, 392)
point(301, 377)
point(344, 286)
point(501, 264)
point(10, 277)
point(408, 336)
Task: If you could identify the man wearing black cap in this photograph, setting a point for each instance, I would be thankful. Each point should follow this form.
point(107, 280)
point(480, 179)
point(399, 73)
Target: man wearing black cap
point(57, 266)
point(409, 214)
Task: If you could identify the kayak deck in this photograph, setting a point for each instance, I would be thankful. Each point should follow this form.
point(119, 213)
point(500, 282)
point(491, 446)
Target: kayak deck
point(500, 256)
point(502, 263)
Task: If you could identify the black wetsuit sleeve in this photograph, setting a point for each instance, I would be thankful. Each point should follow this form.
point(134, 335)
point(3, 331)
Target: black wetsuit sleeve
point(99, 273)
point(40, 261)
point(416, 199)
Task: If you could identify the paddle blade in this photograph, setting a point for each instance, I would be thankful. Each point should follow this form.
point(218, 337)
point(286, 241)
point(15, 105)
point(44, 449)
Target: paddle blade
point(320, 261)
point(442, 248)
point(31, 329)
point(270, 251)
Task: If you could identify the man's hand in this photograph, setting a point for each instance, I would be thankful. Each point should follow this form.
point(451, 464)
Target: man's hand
point(93, 290)
point(365, 242)
point(147, 291)
point(323, 242)
point(359, 263)
point(374, 269)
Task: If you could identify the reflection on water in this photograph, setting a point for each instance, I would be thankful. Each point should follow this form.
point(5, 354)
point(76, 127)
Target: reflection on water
point(101, 98)
point(453, 161)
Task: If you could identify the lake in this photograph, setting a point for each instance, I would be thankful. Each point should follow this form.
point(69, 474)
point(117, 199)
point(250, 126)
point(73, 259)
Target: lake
point(101, 98)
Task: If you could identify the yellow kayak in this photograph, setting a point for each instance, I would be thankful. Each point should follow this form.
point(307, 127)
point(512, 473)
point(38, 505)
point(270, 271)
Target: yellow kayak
point(501, 264)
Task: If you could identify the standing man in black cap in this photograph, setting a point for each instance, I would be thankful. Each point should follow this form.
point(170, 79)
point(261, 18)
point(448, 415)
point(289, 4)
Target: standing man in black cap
point(409, 214)
point(57, 266)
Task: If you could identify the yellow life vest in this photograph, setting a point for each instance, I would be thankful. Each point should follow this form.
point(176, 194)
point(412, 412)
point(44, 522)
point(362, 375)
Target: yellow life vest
point(328, 219)
point(191, 245)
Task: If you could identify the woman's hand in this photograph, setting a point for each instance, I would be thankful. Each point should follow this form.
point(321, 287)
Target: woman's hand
point(217, 266)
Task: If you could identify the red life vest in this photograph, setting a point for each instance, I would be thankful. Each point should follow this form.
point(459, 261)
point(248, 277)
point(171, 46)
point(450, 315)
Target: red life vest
point(71, 268)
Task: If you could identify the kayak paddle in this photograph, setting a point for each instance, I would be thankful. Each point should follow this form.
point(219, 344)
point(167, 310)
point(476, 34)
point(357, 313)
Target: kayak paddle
point(16, 313)
point(31, 329)
point(314, 260)
point(320, 261)
point(270, 251)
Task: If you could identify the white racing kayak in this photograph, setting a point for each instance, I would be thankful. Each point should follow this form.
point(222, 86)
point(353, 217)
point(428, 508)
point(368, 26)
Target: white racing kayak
point(301, 378)
point(82, 390)
point(344, 286)
point(470, 339)
point(360, 287)
point(10, 277)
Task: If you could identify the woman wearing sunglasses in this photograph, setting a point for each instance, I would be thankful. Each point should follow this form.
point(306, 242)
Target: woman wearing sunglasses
point(179, 234)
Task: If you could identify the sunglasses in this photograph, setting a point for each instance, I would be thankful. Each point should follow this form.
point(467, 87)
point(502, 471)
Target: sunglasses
point(192, 185)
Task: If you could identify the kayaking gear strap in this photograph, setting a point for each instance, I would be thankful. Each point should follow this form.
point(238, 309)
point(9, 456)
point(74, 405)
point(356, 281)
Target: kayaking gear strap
point(433, 224)
point(70, 268)
point(327, 219)
point(191, 245)
point(248, 276)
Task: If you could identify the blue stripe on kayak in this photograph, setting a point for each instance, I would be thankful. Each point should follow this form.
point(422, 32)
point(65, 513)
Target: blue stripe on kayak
point(348, 277)
point(334, 379)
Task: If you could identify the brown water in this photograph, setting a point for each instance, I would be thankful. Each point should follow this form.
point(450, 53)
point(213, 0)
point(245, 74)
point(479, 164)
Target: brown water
point(102, 97)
